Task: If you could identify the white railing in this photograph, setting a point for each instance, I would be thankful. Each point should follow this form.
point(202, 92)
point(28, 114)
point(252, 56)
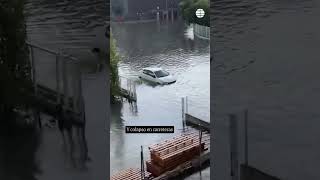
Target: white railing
point(202, 32)
point(129, 86)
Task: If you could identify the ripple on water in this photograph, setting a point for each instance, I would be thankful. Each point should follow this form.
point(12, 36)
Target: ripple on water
point(270, 33)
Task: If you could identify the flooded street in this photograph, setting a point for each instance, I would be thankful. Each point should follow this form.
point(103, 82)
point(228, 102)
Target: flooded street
point(172, 47)
point(266, 59)
point(72, 27)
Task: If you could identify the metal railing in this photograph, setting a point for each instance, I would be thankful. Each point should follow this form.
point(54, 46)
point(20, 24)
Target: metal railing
point(128, 86)
point(58, 72)
point(201, 31)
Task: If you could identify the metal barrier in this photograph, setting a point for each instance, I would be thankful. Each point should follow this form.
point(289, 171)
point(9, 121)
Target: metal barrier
point(201, 31)
point(57, 72)
point(128, 88)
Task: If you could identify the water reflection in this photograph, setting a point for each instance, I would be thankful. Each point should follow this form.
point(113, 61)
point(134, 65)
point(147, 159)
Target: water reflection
point(264, 59)
point(116, 132)
point(71, 150)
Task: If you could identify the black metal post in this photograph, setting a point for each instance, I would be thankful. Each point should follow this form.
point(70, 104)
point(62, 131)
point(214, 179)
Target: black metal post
point(183, 114)
point(200, 149)
point(234, 147)
point(246, 136)
point(142, 165)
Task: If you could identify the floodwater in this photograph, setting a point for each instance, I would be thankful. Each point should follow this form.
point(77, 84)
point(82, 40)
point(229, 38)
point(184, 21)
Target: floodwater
point(173, 47)
point(73, 27)
point(266, 59)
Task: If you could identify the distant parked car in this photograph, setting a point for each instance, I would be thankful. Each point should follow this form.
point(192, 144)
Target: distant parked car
point(157, 75)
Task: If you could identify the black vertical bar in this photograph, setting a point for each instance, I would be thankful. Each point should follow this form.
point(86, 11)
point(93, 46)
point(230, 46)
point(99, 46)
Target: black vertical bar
point(142, 165)
point(34, 79)
point(58, 79)
point(200, 148)
point(183, 114)
point(246, 136)
point(234, 147)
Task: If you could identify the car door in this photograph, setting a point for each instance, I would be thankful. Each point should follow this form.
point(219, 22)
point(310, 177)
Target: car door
point(145, 74)
point(150, 76)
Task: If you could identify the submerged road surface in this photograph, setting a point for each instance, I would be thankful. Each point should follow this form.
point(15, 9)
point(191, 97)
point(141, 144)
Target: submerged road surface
point(266, 59)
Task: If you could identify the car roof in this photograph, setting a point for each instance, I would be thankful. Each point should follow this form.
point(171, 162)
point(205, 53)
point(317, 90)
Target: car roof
point(152, 69)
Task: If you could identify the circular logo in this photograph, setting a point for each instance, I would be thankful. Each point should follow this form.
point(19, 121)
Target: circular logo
point(200, 13)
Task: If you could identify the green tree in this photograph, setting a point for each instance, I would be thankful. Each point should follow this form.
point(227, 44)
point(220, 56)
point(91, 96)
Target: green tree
point(14, 61)
point(114, 60)
point(189, 7)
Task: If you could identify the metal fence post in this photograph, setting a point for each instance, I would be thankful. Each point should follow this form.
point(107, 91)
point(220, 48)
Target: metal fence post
point(183, 114)
point(58, 78)
point(246, 137)
point(186, 104)
point(65, 84)
point(142, 165)
point(34, 79)
point(187, 111)
point(75, 91)
point(234, 147)
point(200, 150)
point(80, 97)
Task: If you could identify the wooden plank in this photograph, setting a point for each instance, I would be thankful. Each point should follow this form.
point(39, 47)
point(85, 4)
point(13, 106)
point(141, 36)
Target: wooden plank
point(172, 153)
point(129, 174)
point(191, 165)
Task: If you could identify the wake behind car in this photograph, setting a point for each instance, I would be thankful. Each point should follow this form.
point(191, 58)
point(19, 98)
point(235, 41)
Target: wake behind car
point(157, 75)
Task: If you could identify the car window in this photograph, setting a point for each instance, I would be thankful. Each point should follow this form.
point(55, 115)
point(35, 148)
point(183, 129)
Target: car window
point(160, 74)
point(149, 73)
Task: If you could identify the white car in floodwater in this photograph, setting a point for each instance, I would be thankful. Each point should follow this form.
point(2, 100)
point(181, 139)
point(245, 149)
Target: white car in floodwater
point(157, 75)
